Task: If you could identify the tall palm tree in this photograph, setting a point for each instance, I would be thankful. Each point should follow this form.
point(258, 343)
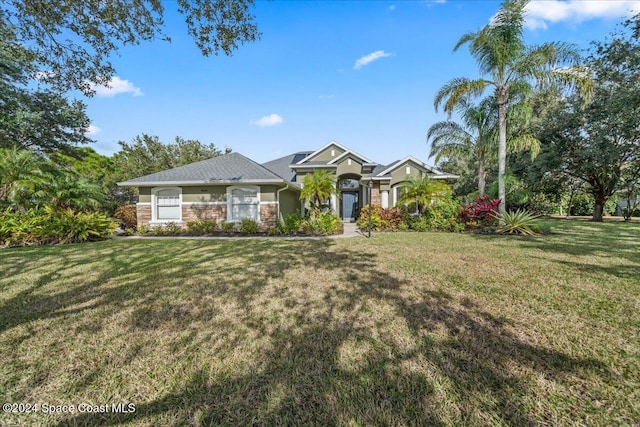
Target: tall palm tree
point(318, 186)
point(422, 191)
point(501, 54)
point(474, 138)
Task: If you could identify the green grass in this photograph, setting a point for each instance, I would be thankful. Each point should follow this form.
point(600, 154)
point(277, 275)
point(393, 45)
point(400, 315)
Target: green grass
point(401, 329)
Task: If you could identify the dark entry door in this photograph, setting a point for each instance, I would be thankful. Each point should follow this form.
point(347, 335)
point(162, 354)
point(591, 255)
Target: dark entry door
point(349, 205)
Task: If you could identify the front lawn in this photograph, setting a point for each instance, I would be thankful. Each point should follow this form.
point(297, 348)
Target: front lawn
point(402, 329)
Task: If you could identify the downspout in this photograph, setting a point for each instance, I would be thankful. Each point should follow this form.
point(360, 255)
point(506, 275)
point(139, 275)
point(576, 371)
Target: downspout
point(278, 200)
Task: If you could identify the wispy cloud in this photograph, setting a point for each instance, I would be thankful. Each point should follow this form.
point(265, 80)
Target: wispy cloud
point(542, 13)
point(367, 59)
point(116, 86)
point(270, 120)
point(326, 96)
point(92, 130)
point(392, 7)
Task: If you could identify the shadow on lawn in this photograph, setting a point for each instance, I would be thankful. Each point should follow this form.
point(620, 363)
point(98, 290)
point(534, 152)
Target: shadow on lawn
point(389, 378)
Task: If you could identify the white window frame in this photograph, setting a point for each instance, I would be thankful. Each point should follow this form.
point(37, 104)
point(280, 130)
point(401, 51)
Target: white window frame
point(154, 205)
point(394, 193)
point(230, 201)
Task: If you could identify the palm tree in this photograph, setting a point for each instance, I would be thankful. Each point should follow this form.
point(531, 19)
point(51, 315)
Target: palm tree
point(422, 191)
point(474, 138)
point(318, 186)
point(501, 54)
point(21, 173)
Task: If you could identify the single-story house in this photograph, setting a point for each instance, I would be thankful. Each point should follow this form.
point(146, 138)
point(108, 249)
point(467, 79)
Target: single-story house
point(233, 187)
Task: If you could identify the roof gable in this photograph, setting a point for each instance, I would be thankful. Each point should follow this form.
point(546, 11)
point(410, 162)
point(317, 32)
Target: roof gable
point(409, 159)
point(331, 145)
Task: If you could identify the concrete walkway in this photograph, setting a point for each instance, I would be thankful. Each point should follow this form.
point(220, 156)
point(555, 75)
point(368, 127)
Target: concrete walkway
point(350, 230)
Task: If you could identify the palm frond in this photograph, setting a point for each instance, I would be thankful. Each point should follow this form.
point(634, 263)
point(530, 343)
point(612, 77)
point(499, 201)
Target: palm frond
point(525, 142)
point(458, 90)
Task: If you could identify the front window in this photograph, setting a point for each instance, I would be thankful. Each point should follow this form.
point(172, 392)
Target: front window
point(168, 205)
point(244, 203)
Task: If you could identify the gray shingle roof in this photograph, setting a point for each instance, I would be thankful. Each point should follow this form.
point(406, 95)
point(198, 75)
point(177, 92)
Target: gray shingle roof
point(281, 166)
point(232, 167)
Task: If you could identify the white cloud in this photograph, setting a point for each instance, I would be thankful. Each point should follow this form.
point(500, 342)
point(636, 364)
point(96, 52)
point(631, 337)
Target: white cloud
point(92, 130)
point(270, 120)
point(116, 86)
point(542, 13)
point(326, 96)
point(392, 7)
point(367, 59)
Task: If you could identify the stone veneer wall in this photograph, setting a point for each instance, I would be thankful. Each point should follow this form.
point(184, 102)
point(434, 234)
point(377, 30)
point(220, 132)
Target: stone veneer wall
point(143, 214)
point(268, 215)
point(376, 198)
point(200, 212)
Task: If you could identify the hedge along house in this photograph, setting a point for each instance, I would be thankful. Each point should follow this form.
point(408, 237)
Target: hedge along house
point(233, 187)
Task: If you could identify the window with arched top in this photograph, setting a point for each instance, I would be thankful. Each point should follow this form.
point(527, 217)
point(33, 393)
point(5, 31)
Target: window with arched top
point(167, 204)
point(243, 202)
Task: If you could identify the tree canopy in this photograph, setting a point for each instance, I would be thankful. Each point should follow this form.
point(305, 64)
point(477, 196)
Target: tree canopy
point(600, 142)
point(71, 43)
point(32, 117)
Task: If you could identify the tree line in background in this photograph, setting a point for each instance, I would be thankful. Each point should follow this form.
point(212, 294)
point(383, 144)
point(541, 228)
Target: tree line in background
point(555, 131)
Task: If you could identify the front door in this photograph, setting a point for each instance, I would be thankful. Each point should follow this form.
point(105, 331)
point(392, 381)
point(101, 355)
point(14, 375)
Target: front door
point(349, 205)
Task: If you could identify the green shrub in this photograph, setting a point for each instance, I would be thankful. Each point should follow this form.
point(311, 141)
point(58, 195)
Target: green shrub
point(50, 226)
point(444, 215)
point(248, 226)
point(582, 205)
point(326, 223)
point(518, 222)
point(381, 219)
point(158, 230)
point(173, 229)
point(227, 227)
point(419, 223)
point(143, 229)
point(292, 223)
point(201, 227)
point(127, 217)
point(541, 204)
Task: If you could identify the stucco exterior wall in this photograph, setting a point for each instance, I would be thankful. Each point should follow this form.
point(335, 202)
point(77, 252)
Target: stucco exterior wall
point(344, 168)
point(325, 155)
point(289, 202)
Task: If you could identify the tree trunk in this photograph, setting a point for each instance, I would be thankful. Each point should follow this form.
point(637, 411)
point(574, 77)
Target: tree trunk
point(482, 177)
point(598, 210)
point(502, 146)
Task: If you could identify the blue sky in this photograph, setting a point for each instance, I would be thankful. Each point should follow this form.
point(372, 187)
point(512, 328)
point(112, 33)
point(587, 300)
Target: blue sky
point(361, 73)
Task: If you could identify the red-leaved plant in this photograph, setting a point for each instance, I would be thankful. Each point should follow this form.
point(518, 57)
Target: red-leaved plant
point(481, 212)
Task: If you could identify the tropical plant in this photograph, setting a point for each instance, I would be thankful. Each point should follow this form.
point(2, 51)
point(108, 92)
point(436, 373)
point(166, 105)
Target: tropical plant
point(41, 226)
point(21, 172)
point(501, 54)
point(474, 138)
point(127, 216)
point(318, 187)
point(422, 191)
point(480, 213)
point(518, 222)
